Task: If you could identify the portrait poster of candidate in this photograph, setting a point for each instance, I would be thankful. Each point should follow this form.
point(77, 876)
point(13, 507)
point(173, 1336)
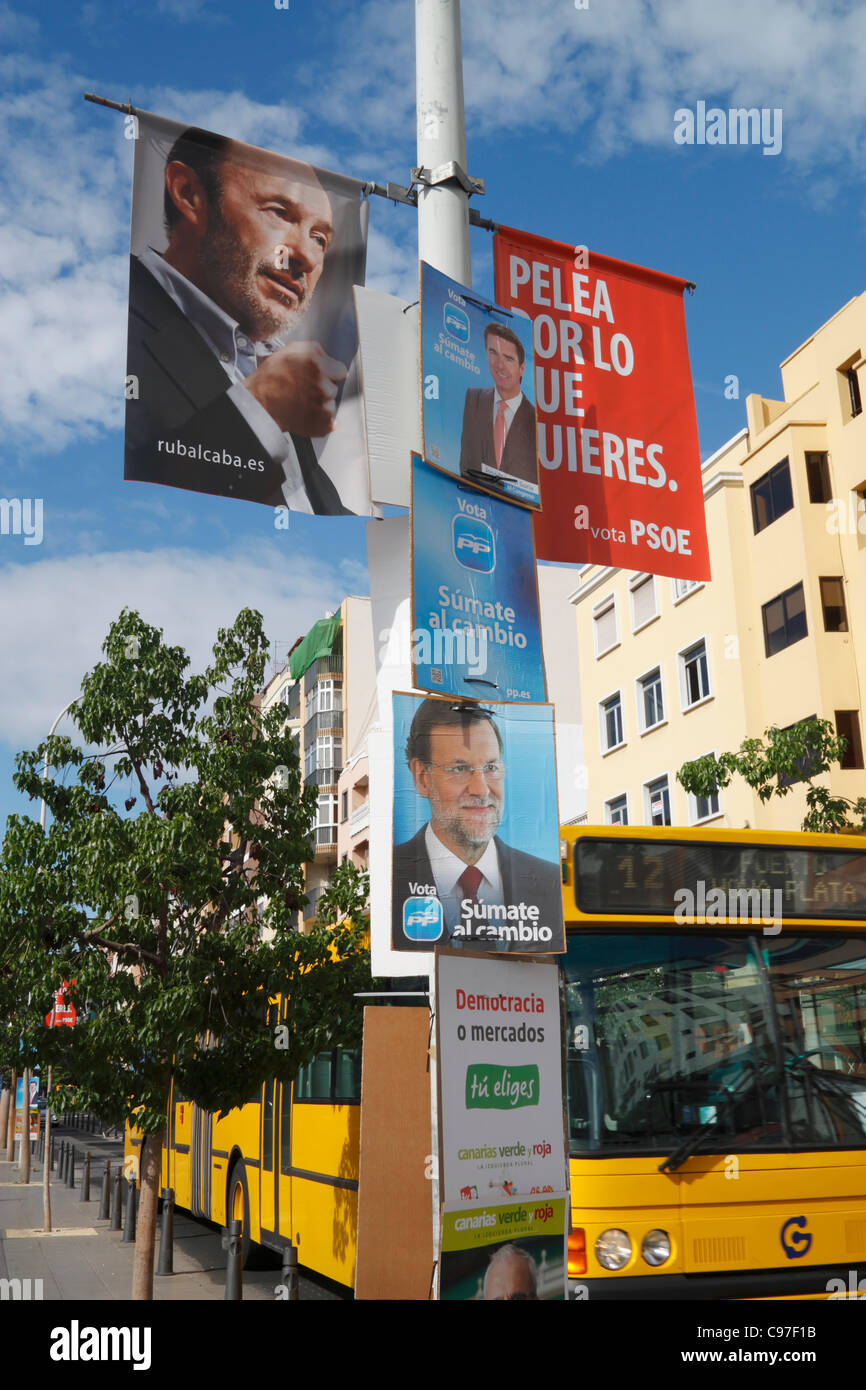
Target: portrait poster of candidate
point(243, 377)
point(513, 1252)
point(478, 397)
point(476, 629)
point(475, 827)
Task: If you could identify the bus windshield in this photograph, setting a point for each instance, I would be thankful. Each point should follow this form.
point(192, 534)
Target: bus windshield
point(758, 1041)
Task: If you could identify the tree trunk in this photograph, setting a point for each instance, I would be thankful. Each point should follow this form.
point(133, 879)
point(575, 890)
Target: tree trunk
point(145, 1236)
point(24, 1154)
point(10, 1129)
point(4, 1114)
point(46, 1167)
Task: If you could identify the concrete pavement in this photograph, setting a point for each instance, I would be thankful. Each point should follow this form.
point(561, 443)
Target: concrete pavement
point(82, 1259)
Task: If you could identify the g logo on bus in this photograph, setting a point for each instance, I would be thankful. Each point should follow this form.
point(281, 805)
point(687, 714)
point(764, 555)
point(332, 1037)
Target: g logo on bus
point(798, 1242)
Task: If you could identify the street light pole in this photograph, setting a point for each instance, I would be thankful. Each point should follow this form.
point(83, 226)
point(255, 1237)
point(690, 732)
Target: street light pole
point(46, 1165)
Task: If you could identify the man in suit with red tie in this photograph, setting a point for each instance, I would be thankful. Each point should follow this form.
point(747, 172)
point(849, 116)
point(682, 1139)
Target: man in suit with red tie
point(457, 869)
point(499, 423)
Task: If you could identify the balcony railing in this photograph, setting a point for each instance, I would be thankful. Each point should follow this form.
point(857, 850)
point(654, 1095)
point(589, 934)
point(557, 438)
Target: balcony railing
point(360, 818)
point(323, 776)
point(325, 666)
point(314, 894)
point(327, 721)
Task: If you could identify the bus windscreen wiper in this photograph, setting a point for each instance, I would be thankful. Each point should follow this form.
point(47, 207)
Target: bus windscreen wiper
point(747, 1082)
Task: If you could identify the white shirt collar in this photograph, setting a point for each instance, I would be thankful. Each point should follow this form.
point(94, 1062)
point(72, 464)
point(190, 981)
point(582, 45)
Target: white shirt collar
point(447, 868)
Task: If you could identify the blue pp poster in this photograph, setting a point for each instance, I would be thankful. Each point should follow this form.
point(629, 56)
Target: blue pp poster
point(476, 628)
point(478, 389)
point(476, 827)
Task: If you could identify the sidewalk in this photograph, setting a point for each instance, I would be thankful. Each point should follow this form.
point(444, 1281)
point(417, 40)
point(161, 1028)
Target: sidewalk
point(82, 1259)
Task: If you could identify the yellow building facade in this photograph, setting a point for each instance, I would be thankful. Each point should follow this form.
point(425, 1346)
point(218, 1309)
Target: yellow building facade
point(672, 670)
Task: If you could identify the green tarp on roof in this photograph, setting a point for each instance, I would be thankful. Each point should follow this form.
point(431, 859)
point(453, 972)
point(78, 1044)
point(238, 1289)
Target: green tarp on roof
point(319, 641)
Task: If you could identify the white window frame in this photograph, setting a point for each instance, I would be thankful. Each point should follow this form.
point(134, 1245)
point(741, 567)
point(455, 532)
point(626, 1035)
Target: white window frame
point(680, 598)
point(602, 723)
point(623, 796)
point(694, 819)
point(328, 802)
point(643, 727)
point(647, 800)
point(683, 652)
point(637, 582)
point(599, 611)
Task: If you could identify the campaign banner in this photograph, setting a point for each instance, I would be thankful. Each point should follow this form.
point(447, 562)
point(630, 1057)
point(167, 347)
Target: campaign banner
point(478, 397)
point(243, 376)
point(470, 783)
point(476, 628)
point(617, 433)
point(509, 1252)
point(501, 1080)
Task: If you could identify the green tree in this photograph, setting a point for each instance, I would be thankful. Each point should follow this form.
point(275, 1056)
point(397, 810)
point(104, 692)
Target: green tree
point(771, 766)
point(167, 886)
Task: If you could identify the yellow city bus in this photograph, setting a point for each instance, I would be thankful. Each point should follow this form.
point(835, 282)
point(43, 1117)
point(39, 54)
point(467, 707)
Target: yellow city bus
point(285, 1165)
point(716, 1080)
point(716, 1055)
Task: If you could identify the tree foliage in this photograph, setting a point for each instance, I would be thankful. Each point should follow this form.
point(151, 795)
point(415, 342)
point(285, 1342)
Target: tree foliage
point(167, 885)
point(771, 766)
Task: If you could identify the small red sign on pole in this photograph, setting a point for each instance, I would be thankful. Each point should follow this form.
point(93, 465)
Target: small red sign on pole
point(63, 1013)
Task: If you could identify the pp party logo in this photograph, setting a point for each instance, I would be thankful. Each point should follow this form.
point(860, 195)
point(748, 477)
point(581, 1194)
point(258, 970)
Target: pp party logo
point(473, 544)
point(456, 321)
point(422, 919)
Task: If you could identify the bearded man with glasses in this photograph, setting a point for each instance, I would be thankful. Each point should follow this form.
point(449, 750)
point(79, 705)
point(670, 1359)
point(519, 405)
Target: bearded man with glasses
point(487, 889)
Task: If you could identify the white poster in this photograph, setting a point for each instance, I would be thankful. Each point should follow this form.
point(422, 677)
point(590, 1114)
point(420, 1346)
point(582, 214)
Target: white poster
point(501, 1130)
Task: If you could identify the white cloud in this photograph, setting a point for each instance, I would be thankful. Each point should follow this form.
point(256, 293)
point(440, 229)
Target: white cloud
point(56, 613)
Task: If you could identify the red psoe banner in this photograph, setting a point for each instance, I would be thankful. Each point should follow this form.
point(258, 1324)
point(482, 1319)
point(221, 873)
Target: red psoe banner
point(617, 436)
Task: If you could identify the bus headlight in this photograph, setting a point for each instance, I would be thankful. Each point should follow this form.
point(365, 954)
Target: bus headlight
point(613, 1249)
point(656, 1247)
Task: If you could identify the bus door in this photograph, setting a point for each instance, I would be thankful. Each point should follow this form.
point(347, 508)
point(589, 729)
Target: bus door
point(284, 1163)
point(180, 1144)
point(200, 1162)
point(268, 1191)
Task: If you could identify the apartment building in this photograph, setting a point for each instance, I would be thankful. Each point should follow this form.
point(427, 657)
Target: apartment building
point(328, 688)
point(672, 670)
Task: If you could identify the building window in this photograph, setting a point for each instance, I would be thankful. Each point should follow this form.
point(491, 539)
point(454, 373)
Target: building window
point(658, 802)
point(611, 722)
point(616, 811)
point(848, 726)
point(772, 496)
point(818, 475)
point(784, 620)
point(651, 709)
point(833, 604)
point(853, 391)
point(681, 587)
point(703, 807)
point(849, 388)
point(643, 602)
point(694, 669)
point(806, 767)
point(604, 625)
point(344, 806)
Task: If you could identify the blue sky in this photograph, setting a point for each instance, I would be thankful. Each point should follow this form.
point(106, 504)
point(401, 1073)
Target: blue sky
point(570, 119)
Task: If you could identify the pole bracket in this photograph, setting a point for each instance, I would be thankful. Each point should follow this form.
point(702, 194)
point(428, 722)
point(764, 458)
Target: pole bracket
point(450, 172)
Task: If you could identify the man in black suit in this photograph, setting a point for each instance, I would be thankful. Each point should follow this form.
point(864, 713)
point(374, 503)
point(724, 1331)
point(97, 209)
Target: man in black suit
point(216, 402)
point(499, 423)
point(455, 873)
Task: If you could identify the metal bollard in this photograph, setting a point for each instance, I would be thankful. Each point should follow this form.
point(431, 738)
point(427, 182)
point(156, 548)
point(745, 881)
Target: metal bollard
point(61, 1170)
point(290, 1272)
point(70, 1168)
point(129, 1223)
point(166, 1233)
point(105, 1200)
point(232, 1242)
point(114, 1224)
point(52, 1157)
point(85, 1179)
